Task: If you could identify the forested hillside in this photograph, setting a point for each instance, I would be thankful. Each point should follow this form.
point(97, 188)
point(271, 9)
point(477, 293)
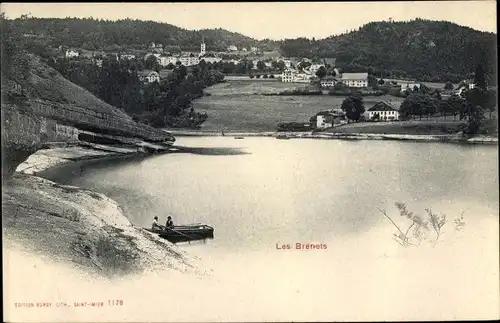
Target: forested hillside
point(421, 49)
point(93, 34)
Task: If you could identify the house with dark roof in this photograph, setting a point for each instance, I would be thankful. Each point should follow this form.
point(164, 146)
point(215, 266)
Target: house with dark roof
point(383, 111)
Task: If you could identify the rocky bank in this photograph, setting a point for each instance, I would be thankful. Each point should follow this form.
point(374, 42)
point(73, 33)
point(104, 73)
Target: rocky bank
point(48, 121)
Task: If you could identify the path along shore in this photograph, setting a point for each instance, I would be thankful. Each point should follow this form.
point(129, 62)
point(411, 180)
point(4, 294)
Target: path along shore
point(458, 138)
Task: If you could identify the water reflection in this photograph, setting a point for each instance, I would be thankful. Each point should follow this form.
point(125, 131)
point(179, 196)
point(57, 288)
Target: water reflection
point(209, 151)
point(261, 191)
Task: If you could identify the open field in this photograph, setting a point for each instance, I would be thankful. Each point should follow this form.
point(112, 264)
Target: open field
point(235, 106)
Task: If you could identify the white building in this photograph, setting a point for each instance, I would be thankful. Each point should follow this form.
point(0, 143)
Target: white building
point(409, 86)
point(211, 59)
point(202, 47)
point(288, 76)
point(302, 77)
point(232, 48)
point(328, 119)
point(72, 53)
point(328, 81)
point(468, 85)
point(189, 60)
point(165, 60)
point(153, 77)
point(355, 79)
point(322, 122)
point(254, 49)
point(383, 111)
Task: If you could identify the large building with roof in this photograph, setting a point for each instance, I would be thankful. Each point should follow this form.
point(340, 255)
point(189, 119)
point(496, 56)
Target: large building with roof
point(355, 79)
point(383, 111)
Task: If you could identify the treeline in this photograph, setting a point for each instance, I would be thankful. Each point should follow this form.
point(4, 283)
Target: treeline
point(93, 34)
point(167, 103)
point(430, 51)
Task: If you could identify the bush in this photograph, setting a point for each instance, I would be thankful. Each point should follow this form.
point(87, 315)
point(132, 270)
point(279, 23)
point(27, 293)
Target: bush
point(421, 228)
point(448, 86)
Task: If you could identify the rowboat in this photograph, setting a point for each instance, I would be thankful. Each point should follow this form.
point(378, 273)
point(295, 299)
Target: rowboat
point(183, 233)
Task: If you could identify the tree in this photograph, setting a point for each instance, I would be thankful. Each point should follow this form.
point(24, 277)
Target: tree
point(372, 80)
point(437, 95)
point(480, 78)
point(151, 63)
point(418, 104)
point(353, 107)
point(281, 66)
point(490, 101)
point(261, 65)
point(321, 72)
point(304, 64)
point(454, 106)
point(448, 86)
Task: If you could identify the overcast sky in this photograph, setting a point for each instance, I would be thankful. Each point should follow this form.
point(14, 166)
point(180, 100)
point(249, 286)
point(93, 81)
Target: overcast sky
point(272, 20)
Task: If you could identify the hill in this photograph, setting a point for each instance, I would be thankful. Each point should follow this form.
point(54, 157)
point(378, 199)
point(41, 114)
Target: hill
point(92, 34)
point(39, 105)
point(430, 51)
point(421, 49)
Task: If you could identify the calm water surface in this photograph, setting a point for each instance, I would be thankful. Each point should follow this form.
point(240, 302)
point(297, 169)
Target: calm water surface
point(258, 191)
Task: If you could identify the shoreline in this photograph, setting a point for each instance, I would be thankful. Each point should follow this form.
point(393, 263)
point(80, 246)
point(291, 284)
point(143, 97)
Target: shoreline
point(76, 226)
point(346, 136)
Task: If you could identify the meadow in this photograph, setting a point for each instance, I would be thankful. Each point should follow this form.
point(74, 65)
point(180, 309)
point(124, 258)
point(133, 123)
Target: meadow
point(234, 105)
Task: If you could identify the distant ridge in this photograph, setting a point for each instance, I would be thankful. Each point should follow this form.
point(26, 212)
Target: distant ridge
point(420, 49)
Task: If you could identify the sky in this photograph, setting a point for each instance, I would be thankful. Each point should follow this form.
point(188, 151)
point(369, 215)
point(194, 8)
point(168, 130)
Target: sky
point(272, 20)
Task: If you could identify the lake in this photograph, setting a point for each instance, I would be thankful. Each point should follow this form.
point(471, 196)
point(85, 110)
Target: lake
point(261, 194)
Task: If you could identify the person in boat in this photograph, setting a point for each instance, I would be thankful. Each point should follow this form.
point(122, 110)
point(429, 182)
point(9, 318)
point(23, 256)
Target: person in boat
point(156, 225)
point(170, 223)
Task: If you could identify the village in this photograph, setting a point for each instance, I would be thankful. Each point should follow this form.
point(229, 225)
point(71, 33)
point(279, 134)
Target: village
point(319, 76)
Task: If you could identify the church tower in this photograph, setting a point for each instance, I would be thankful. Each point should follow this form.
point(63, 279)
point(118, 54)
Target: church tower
point(202, 48)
